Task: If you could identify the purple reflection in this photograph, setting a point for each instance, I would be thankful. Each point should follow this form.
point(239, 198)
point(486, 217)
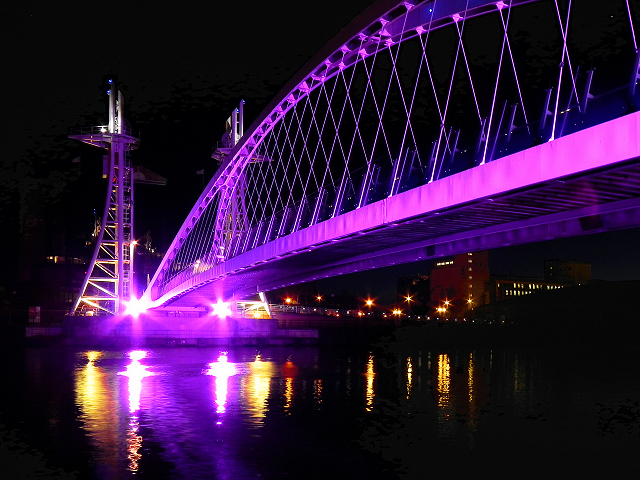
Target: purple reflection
point(222, 370)
point(136, 372)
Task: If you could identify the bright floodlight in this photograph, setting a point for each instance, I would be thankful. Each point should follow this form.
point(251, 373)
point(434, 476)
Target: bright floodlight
point(135, 307)
point(221, 309)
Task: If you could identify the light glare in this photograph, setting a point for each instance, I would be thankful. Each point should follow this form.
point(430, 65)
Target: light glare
point(135, 307)
point(221, 309)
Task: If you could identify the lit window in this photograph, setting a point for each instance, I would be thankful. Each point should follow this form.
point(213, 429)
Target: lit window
point(470, 260)
point(470, 286)
point(470, 268)
point(470, 277)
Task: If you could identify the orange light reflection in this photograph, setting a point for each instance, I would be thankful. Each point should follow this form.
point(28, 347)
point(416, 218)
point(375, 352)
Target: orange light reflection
point(370, 376)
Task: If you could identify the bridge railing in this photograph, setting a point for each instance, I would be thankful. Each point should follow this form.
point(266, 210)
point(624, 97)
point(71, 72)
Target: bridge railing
point(359, 192)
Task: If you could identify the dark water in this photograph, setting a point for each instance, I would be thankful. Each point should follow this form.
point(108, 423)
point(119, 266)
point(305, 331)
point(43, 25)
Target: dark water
point(387, 411)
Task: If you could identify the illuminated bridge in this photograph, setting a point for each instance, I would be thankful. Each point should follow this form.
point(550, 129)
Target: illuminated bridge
point(422, 129)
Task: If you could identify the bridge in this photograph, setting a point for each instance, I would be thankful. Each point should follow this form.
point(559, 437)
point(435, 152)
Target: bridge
point(421, 129)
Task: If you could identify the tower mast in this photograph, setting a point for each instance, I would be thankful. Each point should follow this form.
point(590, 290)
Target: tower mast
point(108, 283)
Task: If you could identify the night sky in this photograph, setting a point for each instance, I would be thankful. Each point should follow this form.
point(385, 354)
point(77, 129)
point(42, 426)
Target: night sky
point(182, 69)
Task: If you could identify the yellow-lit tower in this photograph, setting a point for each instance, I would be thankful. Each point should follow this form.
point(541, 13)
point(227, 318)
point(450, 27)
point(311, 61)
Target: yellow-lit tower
point(108, 283)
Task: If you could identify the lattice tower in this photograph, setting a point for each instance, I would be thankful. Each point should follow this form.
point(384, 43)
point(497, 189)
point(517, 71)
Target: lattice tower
point(109, 279)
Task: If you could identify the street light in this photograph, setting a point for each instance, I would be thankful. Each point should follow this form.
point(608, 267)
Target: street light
point(408, 299)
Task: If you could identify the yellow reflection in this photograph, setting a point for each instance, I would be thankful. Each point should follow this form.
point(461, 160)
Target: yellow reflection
point(92, 355)
point(134, 442)
point(317, 390)
point(256, 387)
point(470, 377)
point(444, 380)
point(97, 400)
point(288, 393)
point(370, 376)
point(409, 377)
point(473, 404)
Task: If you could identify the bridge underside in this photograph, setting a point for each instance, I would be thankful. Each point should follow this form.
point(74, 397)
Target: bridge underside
point(584, 183)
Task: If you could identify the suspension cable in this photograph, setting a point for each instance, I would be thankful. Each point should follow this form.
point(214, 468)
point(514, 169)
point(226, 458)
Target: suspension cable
point(495, 92)
point(633, 32)
point(564, 49)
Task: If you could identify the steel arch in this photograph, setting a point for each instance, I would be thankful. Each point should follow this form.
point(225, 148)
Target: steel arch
point(381, 27)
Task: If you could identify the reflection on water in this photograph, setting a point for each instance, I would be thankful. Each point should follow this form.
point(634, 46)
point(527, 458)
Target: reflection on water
point(443, 380)
point(97, 398)
point(370, 377)
point(135, 372)
point(289, 371)
point(256, 387)
point(134, 442)
point(317, 391)
point(477, 403)
point(473, 408)
point(221, 370)
point(409, 377)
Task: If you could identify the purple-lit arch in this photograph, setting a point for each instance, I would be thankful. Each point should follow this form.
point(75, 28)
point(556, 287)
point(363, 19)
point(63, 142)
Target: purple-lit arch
point(277, 149)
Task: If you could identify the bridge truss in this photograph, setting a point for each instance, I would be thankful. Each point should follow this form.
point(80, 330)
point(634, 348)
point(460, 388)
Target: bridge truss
point(408, 94)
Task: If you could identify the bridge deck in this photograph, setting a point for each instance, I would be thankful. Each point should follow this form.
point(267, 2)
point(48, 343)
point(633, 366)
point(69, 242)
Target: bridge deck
point(581, 183)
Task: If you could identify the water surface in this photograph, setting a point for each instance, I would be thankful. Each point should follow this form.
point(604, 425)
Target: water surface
point(387, 411)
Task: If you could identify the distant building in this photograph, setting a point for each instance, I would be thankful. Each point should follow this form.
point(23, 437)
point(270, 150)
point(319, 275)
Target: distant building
point(56, 285)
point(459, 284)
point(576, 273)
point(503, 288)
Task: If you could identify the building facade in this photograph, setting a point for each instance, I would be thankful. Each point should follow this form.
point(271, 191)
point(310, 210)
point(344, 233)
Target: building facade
point(459, 284)
point(509, 287)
